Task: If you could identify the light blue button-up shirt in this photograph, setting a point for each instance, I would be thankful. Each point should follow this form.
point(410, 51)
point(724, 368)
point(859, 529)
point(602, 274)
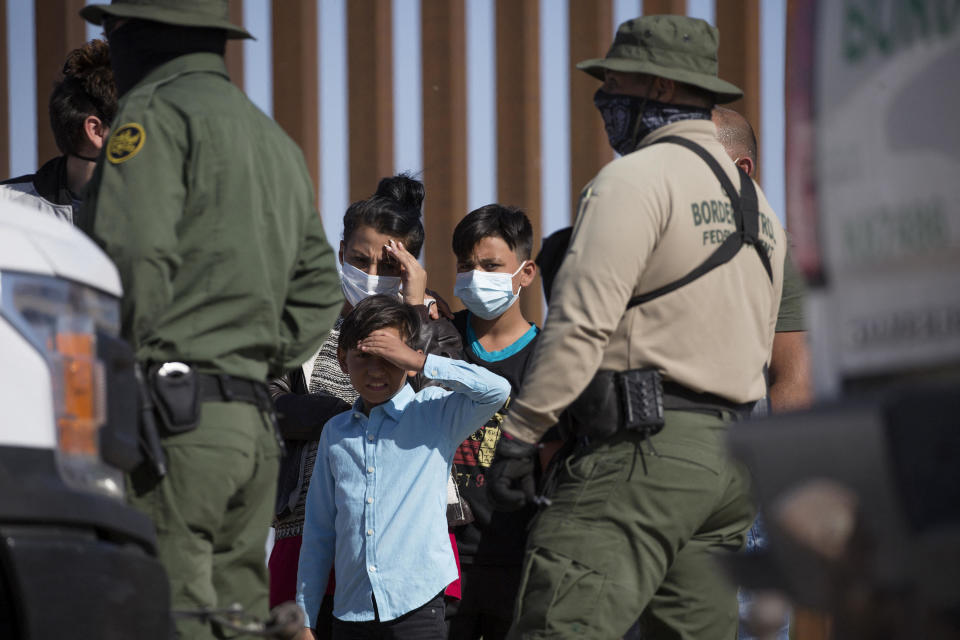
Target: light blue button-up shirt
point(377, 503)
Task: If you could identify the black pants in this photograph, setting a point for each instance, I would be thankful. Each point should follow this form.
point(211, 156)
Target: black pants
point(423, 623)
point(486, 609)
point(323, 623)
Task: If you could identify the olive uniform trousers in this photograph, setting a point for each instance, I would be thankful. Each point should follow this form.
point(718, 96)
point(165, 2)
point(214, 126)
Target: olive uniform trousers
point(631, 530)
point(212, 512)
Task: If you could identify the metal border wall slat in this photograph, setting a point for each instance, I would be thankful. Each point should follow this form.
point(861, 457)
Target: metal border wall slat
point(518, 120)
point(444, 135)
point(295, 77)
point(370, 92)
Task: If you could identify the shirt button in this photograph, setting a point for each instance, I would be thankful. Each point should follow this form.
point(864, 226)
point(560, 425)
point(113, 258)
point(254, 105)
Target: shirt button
point(369, 532)
point(372, 568)
point(433, 373)
point(357, 415)
point(370, 437)
point(369, 469)
point(369, 500)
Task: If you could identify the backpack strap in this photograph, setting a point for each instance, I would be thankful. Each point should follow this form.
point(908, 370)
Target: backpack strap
point(746, 214)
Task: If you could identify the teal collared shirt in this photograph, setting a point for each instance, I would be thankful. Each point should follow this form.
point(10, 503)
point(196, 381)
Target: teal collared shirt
point(377, 503)
point(206, 207)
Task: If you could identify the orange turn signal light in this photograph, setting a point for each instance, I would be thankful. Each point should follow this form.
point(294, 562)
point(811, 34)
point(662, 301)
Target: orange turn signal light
point(78, 420)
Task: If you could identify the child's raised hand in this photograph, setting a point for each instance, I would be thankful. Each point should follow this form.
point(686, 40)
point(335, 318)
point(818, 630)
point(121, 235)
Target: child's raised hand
point(389, 346)
point(412, 275)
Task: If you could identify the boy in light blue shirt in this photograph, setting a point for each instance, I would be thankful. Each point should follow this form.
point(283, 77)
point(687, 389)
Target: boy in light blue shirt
point(376, 507)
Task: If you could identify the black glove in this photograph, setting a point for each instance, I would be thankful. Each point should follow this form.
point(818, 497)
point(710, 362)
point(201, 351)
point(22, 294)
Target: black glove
point(509, 479)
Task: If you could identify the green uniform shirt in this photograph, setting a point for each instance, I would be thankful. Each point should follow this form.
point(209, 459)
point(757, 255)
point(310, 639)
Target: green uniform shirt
point(791, 317)
point(206, 207)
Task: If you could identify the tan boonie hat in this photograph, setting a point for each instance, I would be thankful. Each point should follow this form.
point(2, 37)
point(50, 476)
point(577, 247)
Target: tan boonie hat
point(675, 47)
point(185, 13)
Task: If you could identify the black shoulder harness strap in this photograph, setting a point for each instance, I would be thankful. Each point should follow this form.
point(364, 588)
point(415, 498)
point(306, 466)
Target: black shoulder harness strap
point(746, 214)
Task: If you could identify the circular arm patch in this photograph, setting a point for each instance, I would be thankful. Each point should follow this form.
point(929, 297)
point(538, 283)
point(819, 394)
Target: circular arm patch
point(125, 142)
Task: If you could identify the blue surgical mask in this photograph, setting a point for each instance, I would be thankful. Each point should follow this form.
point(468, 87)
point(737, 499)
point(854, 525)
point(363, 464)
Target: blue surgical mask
point(487, 295)
point(358, 285)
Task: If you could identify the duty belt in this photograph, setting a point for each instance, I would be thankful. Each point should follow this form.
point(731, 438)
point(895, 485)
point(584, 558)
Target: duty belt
point(678, 397)
point(224, 388)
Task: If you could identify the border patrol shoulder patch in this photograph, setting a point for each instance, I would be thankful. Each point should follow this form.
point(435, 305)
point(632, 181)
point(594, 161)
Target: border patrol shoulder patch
point(125, 142)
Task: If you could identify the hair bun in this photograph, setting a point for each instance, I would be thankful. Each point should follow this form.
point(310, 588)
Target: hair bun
point(403, 189)
point(90, 66)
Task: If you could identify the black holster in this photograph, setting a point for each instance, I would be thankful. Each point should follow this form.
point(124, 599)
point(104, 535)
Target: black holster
point(176, 396)
point(169, 403)
point(617, 401)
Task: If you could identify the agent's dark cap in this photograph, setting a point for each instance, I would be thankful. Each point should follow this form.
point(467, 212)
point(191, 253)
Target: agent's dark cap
point(185, 13)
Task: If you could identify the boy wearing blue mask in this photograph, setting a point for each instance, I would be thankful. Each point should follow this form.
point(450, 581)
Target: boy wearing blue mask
point(493, 246)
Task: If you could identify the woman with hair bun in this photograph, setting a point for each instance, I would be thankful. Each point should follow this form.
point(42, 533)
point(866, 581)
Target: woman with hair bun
point(382, 239)
point(82, 107)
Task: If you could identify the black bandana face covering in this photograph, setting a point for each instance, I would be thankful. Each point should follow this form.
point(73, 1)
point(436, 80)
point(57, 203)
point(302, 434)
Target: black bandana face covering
point(619, 113)
point(628, 119)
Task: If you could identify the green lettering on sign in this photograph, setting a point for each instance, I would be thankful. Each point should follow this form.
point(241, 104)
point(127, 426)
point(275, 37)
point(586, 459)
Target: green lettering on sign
point(887, 26)
point(884, 233)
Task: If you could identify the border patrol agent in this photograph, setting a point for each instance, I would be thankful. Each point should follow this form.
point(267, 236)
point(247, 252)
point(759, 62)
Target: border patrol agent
point(661, 320)
point(207, 209)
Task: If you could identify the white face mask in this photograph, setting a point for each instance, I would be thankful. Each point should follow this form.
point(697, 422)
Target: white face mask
point(486, 294)
point(358, 285)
